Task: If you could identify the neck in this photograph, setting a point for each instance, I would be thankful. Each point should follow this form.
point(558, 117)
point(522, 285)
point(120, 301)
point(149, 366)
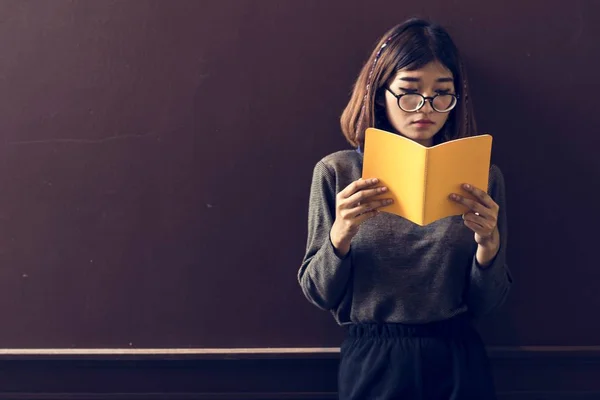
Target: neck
point(426, 143)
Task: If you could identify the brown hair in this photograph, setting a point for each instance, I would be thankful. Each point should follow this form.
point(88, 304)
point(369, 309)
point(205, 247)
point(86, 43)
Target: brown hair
point(410, 45)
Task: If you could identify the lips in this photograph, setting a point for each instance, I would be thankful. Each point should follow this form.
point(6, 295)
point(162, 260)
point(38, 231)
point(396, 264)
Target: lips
point(423, 122)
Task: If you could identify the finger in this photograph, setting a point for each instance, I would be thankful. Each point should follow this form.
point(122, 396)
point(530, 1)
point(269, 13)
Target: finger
point(481, 195)
point(478, 225)
point(478, 219)
point(363, 217)
point(368, 207)
point(363, 195)
point(357, 185)
point(472, 205)
point(478, 229)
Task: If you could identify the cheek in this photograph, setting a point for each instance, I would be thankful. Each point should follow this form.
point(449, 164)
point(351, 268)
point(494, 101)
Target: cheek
point(442, 118)
point(395, 115)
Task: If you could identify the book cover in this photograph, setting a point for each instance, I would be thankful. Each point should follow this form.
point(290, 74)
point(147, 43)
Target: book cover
point(420, 178)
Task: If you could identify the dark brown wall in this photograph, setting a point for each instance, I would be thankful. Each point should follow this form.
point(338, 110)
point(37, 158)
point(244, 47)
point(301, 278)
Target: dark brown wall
point(156, 158)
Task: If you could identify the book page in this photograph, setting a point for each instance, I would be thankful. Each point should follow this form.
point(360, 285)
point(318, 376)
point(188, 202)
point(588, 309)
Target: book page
point(400, 165)
point(451, 164)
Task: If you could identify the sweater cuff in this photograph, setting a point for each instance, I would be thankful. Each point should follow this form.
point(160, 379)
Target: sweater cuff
point(494, 274)
point(333, 252)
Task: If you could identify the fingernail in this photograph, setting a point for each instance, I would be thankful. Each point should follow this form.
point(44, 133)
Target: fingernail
point(374, 180)
point(467, 186)
point(453, 196)
point(389, 201)
point(382, 189)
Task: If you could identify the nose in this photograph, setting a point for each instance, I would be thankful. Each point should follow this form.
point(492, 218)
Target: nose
point(427, 107)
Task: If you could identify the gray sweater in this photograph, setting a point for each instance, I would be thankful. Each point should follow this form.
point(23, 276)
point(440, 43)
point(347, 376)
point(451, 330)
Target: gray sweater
point(397, 271)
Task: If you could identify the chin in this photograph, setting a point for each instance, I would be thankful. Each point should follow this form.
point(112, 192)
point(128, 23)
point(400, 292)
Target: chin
point(421, 135)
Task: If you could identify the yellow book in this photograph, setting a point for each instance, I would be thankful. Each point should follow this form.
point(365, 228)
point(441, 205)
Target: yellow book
point(420, 178)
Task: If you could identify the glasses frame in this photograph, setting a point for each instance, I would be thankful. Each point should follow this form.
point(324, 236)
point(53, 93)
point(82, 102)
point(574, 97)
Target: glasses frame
point(425, 99)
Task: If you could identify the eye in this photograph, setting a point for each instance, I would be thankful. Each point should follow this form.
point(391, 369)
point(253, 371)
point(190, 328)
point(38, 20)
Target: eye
point(443, 91)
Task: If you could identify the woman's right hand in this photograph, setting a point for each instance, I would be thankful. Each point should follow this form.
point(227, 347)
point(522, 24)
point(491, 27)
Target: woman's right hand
point(354, 205)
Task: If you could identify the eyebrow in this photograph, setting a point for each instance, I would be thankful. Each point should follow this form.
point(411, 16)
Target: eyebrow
point(410, 79)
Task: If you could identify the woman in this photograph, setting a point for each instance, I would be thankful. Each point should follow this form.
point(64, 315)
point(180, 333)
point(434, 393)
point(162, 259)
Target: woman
point(406, 293)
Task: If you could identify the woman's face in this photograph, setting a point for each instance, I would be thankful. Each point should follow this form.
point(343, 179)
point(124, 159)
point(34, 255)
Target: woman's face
point(421, 125)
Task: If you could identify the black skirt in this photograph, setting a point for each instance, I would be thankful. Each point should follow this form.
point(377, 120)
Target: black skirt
point(436, 361)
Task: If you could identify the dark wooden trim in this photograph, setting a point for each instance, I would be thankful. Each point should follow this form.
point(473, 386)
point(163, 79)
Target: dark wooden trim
point(268, 396)
point(171, 354)
point(541, 395)
point(495, 352)
point(522, 373)
point(545, 352)
point(171, 396)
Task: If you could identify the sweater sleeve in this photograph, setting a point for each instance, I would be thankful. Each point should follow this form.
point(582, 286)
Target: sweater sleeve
point(489, 286)
point(323, 275)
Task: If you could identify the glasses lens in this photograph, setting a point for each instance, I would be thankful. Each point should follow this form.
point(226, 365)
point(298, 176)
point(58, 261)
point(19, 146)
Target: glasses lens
point(444, 102)
point(410, 102)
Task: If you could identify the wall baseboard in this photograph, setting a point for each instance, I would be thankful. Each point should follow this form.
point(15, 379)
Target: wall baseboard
point(265, 396)
point(522, 373)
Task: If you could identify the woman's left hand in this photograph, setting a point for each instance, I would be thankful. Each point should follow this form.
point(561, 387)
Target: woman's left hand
point(481, 218)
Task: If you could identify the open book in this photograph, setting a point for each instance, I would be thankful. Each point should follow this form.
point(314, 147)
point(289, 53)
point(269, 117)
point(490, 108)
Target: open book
point(420, 178)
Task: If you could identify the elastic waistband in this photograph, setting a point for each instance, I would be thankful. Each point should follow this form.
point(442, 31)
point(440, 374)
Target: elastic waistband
point(456, 326)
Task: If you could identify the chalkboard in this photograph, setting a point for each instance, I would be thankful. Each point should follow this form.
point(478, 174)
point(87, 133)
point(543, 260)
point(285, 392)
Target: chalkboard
point(156, 159)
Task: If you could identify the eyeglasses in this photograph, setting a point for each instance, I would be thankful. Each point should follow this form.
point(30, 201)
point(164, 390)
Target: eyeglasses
point(413, 102)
